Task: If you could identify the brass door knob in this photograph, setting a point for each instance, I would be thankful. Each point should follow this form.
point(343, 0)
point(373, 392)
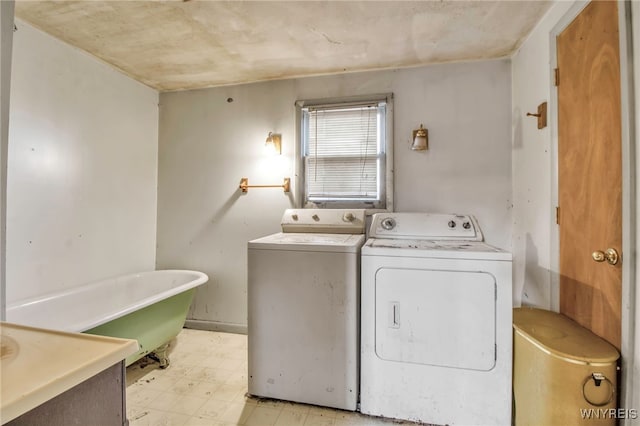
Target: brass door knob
point(610, 255)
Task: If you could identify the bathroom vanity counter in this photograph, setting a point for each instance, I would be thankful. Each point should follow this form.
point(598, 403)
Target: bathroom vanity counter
point(38, 365)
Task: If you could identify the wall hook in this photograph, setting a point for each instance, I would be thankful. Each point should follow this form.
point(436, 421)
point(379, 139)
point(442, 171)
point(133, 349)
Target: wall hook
point(542, 115)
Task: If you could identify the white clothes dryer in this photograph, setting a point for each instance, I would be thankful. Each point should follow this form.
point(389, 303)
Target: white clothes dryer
point(304, 300)
point(436, 322)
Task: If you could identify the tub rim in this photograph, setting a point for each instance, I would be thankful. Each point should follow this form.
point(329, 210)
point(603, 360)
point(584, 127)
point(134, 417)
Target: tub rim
point(199, 279)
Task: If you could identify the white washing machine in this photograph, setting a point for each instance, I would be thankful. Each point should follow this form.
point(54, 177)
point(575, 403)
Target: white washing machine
point(436, 322)
point(304, 300)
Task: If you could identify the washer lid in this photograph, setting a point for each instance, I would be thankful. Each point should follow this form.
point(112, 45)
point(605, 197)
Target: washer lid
point(472, 250)
point(340, 243)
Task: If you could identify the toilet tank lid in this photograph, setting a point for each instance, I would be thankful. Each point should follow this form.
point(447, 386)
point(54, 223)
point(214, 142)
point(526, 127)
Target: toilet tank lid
point(562, 337)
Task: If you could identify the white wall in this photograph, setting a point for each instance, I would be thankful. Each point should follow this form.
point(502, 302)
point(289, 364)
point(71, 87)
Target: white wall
point(533, 212)
point(207, 144)
point(82, 173)
point(6, 46)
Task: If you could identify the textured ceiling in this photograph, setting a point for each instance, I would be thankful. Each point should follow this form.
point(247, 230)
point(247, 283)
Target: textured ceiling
point(174, 45)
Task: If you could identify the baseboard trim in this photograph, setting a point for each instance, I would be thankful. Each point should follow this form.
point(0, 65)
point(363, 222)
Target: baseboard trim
point(224, 327)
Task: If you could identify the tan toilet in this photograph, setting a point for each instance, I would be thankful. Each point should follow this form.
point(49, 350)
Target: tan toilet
point(563, 374)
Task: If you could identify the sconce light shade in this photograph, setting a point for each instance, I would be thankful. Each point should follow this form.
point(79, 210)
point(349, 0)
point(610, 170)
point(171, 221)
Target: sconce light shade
point(274, 143)
point(420, 139)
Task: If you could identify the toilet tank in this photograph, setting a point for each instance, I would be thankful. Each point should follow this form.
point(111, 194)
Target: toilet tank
point(563, 374)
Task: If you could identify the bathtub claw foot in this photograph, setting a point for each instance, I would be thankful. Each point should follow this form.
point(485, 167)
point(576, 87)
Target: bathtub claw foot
point(164, 362)
point(160, 355)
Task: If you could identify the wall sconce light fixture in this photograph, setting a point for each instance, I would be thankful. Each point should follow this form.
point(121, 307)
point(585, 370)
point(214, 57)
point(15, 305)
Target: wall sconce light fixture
point(420, 139)
point(274, 143)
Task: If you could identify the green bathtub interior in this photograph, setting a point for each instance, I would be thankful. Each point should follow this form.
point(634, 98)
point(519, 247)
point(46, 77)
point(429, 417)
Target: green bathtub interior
point(152, 326)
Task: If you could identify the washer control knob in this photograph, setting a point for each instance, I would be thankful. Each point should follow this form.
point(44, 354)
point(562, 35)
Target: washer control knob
point(466, 225)
point(315, 217)
point(388, 223)
point(348, 217)
point(294, 216)
point(452, 224)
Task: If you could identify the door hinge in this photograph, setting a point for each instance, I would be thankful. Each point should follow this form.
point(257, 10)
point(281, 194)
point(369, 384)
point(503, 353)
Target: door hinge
point(556, 78)
point(557, 215)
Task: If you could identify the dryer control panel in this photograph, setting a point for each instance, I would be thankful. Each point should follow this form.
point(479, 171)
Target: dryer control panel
point(326, 221)
point(425, 226)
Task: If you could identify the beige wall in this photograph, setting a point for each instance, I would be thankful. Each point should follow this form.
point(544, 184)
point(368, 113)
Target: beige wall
point(82, 173)
point(207, 145)
point(533, 210)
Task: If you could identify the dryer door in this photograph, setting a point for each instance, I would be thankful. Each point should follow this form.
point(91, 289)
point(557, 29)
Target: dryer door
point(436, 317)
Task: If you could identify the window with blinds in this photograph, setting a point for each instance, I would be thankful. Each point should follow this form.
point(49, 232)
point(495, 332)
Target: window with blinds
point(343, 154)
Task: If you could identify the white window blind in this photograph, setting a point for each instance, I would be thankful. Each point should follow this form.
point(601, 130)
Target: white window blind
point(342, 151)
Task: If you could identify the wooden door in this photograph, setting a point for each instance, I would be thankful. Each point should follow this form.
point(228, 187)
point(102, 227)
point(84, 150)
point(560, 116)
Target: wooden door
point(590, 169)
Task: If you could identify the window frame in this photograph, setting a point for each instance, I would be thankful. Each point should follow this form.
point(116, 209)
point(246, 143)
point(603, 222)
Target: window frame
point(385, 202)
